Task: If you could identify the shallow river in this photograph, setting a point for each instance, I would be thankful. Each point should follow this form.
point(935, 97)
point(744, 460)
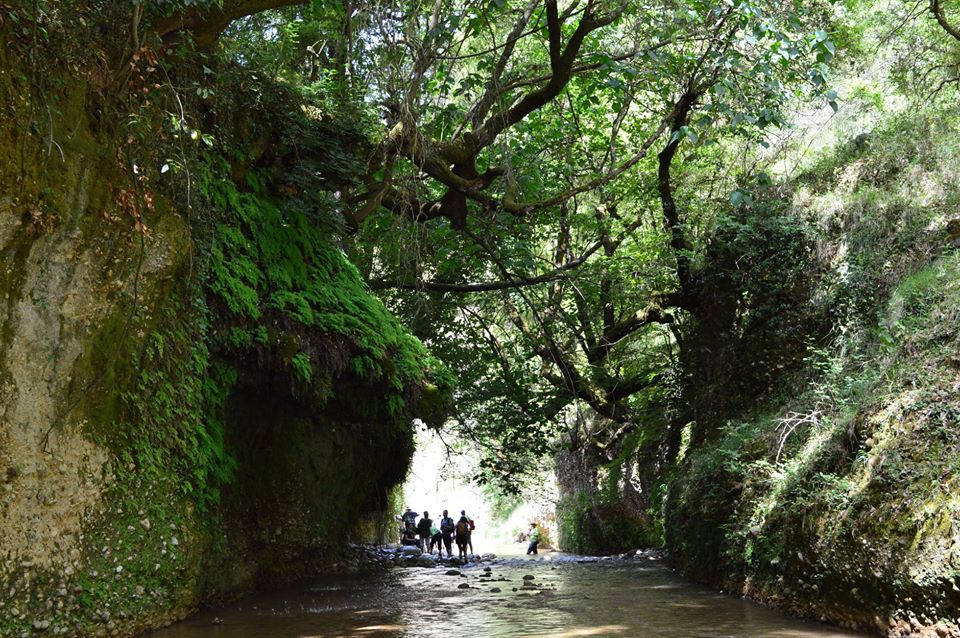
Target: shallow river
point(610, 598)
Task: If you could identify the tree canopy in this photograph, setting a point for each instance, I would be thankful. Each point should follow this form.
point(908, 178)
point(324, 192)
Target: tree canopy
point(532, 185)
point(538, 178)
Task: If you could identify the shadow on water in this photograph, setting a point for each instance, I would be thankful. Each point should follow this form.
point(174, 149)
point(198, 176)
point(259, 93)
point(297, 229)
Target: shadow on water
point(566, 598)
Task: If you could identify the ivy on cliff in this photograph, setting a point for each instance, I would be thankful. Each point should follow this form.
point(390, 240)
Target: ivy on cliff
point(277, 274)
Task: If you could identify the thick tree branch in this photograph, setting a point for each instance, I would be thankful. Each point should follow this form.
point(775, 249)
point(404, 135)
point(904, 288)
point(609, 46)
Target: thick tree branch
point(206, 25)
point(435, 164)
point(508, 284)
point(654, 313)
point(561, 66)
point(482, 107)
point(678, 241)
point(938, 12)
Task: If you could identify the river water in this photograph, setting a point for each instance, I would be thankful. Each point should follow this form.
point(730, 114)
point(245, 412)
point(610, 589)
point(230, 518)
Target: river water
point(637, 598)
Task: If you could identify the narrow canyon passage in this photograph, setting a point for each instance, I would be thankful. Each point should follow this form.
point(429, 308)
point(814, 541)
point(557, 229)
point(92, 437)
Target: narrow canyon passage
point(668, 290)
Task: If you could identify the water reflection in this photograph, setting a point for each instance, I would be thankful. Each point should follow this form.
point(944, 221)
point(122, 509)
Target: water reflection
point(565, 599)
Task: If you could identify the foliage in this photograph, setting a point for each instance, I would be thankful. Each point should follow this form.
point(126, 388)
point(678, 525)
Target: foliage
point(883, 193)
point(586, 527)
point(758, 278)
point(442, 140)
point(570, 205)
point(826, 490)
point(175, 410)
point(273, 270)
point(597, 325)
point(863, 468)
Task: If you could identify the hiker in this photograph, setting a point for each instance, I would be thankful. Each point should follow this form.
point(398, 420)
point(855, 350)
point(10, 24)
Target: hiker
point(408, 533)
point(423, 529)
point(446, 533)
point(473, 526)
point(462, 535)
point(409, 517)
point(534, 538)
point(435, 539)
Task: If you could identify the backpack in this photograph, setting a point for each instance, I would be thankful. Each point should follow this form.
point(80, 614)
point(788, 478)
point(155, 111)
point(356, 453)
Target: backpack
point(462, 528)
point(473, 525)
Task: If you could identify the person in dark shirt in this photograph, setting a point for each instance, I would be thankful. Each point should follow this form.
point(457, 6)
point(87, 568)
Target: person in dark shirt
point(408, 529)
point(473, 526)
point(423, 529)
point(462, 536)
point(446, 532)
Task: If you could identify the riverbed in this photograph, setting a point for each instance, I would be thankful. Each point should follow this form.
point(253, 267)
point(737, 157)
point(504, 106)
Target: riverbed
point(566, 596)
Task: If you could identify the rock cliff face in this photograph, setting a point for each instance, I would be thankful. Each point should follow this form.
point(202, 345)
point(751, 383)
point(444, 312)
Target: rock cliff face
point(146, 466)
point(834, 494)
point(604, 499)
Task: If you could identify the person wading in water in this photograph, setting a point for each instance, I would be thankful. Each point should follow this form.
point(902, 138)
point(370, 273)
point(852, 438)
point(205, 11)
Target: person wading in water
point(463, 536)
point(472, 526)
point(534, 538)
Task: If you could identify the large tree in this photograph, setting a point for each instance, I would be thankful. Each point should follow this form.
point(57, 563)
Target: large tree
point(535, 151)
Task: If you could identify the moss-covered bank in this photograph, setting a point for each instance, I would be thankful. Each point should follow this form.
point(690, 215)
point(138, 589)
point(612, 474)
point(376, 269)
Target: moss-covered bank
point(817, 431)
point(845, 509)
point(197, 393)
point(833, 494)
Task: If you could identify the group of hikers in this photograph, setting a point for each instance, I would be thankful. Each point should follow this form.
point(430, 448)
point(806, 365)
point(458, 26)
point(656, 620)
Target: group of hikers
point(425, 534)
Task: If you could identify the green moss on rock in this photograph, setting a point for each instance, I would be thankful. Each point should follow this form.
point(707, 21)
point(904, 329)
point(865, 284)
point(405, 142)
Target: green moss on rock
point(857, 521)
